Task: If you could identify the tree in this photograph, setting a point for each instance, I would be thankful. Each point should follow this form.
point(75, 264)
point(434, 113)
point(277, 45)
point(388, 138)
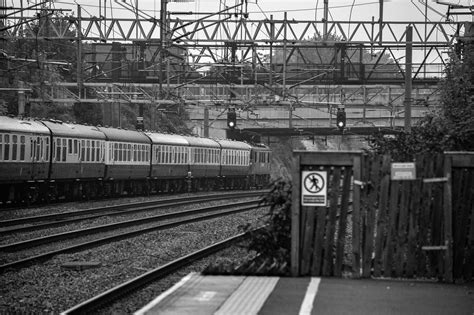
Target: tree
point(448, 129)
point(28, 58)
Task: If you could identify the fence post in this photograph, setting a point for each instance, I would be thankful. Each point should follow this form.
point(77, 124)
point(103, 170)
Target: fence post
point(295, 219)
point(356, 241)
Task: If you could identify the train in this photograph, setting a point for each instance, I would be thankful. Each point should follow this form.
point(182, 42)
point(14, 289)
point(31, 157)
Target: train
point(43, 160)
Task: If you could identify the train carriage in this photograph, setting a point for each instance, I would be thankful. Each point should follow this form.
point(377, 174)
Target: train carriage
point(235, 161)
point(77, 151)
point(77, 155)
point(204, 162)
point(24, 157)
point(169, 161)
point(260, 165)
point(127, 161)
point(51, 160)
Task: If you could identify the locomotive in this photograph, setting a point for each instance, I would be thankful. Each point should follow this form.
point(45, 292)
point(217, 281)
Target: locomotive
point(43, 160)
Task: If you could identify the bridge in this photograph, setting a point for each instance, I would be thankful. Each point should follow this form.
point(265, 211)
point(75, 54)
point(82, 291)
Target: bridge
point(277, 72)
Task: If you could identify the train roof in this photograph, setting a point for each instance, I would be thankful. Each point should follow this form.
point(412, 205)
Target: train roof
point(229, 144)
point(260, 147)
point(60, 129)
point(162, 138)
point(201, 142)
point(8, 124)
point(122, 135)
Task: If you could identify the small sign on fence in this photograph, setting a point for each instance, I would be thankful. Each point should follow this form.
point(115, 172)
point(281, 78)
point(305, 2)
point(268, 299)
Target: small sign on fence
point(314, 188)
point(403, 171)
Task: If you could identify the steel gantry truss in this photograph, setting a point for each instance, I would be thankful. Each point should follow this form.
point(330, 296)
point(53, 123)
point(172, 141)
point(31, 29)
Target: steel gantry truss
point(275, 61)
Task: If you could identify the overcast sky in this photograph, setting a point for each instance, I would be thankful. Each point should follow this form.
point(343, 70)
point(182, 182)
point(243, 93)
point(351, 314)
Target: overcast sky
point(394, 10)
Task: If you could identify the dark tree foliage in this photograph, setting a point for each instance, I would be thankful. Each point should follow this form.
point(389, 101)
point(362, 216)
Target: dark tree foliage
point(274, 241)
point(88, 113)
point(449, 129)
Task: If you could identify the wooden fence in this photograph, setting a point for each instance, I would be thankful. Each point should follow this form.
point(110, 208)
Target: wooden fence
point(392, 228)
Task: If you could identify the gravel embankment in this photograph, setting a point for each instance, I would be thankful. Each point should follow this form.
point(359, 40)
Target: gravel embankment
point(50, 288)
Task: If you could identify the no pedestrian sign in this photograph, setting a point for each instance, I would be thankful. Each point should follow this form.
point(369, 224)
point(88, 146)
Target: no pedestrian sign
point(314, 188)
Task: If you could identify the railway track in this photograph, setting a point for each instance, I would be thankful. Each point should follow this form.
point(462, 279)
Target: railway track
point(110, 296)
point(50, 220)
point(216, 212)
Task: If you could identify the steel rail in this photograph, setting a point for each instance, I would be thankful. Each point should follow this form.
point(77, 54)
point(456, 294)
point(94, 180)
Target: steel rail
point(56, 216)
point(108, 227)
point(117, 292)
point(114, 211)
point(74, 248)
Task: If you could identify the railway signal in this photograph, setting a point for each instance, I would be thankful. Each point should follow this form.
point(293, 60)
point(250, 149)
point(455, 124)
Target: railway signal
point(231, 118)
point(341, 119)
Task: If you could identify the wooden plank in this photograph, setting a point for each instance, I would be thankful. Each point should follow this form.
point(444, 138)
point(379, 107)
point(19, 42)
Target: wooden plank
point(469, 252)
point(420, 218)
point(459, 159)
point(448, 215)
point(428, 217)
point(356, 242)
point(413, 227)
point(307, 248)
point(341, 238)
point(382, 218)
point(391, 231)
point(364, 201)
point(328, 262)
point(469, 256)
point(402, 229)
point(460, 189)
point(328, 158)
point(438, 232)
point(295, 218)
point(371, 209)
point(316, 267)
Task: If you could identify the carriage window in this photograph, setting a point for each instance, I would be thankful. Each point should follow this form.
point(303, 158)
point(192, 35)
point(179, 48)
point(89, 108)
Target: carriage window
point(92, 150)
point(6, 155)
point(22, 148)
point(1, 146)
point(46, 149)
point(158, 154)
point(64, 149)
point(111, 151)
point(69, 146)
point(88, 150)
point(32, 149)
point(75, 146)
point(83, 150)
point(98, 147)
point(14, 147)
point(58, 150)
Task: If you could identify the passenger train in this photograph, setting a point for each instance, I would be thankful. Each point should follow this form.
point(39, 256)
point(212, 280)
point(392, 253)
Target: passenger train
point(43, 160)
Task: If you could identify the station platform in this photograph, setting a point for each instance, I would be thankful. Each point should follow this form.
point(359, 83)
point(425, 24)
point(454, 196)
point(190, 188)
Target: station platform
point(228, 295)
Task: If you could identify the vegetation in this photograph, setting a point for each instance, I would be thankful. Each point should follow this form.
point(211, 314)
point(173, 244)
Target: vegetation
point(273, 243)
point(451, 128)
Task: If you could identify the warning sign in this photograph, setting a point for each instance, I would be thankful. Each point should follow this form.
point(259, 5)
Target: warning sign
point(314, 188)
point(403, 171)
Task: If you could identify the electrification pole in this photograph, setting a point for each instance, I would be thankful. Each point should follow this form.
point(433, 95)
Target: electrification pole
point(408, 87)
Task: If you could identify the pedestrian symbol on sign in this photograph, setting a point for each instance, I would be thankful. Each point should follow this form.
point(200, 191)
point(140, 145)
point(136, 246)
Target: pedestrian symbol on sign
point(314, 189)
point(314, 182)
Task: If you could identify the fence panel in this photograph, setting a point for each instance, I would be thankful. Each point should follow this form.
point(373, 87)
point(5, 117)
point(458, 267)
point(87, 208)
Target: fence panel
point(422, 227)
